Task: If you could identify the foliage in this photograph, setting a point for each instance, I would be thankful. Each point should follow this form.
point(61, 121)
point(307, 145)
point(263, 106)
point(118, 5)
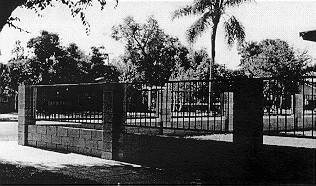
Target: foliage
point(98, 69)
point(149, 50)
point(210, 14)
point(77, 7)
point(52, 63)
point(275, 58)
point(272, 58)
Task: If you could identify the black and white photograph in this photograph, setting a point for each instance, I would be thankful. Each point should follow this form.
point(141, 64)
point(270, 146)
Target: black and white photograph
point(157, 92)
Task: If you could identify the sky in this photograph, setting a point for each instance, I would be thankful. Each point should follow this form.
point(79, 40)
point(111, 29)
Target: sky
point(262, 19)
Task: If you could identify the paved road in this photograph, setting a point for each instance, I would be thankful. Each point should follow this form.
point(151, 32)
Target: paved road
point(8, 131)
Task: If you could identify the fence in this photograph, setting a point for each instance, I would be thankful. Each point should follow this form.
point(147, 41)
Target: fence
point(239, 160)
point(289, 107)
point(76, 103)
point(179, 106)
point(182, 107)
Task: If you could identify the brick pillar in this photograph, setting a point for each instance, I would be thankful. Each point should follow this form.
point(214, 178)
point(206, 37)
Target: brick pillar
point(248, 125)
point(298, 110)
point(229, 110)
point(166, 103)
point(114, 116)
point(26, 112)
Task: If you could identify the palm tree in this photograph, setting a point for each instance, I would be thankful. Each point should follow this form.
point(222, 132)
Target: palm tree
point(211, 12)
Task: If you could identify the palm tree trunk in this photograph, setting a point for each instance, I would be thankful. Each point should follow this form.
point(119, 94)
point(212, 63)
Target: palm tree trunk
point(211, 66)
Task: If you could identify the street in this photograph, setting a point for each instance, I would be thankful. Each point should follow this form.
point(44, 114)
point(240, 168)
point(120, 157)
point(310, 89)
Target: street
point(8, 130)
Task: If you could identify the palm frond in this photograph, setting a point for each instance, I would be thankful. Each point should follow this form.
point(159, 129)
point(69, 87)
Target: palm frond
point(234, 30)
point(233, 3)
point(185, 11)
point(199, 26)
point(198, 7)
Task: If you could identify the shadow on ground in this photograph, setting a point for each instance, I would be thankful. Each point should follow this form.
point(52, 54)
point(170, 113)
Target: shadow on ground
point(22, 175)
point(89, 175)
point(126, 175)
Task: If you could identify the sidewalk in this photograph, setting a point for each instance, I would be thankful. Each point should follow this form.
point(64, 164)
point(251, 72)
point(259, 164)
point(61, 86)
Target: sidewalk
point(75, 165)
point(84, 167)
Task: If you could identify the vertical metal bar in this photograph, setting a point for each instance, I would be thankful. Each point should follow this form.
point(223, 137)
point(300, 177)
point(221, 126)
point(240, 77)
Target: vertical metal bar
point(166, 111)
point(270, 104)
point(190, 106)
point(208, 102)
point(277, 106)
point(184, 103)
point(201, 112)
point(304, 101)
point(214, 95)
point(313, 100)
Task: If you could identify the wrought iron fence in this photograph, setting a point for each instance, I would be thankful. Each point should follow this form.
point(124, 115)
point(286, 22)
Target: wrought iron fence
point(289, 107)
point(71, 103)
point(180, 105)
point(142, 105)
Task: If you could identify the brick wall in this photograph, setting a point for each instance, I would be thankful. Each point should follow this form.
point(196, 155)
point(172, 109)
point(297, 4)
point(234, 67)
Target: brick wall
point(77, 140)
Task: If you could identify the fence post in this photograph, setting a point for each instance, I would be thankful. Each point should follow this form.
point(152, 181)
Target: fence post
point(114, 117)
point(165, 109)
point(298, 110)
point(26, 112)
point(248, 125)
point(229, 110)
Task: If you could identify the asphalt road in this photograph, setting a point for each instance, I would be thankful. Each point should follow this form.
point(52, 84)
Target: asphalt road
point(8, 130)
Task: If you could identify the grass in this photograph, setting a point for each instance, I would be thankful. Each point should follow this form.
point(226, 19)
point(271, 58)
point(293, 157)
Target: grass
point(22, 175)
point(12, 174)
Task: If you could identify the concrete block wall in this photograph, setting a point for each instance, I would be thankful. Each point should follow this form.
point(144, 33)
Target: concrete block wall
point(69, 139)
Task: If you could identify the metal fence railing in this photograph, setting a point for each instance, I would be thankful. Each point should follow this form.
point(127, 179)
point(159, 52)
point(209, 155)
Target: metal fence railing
point(180, 105)
point(69, 103)
point(289, 107)
point(142, 105)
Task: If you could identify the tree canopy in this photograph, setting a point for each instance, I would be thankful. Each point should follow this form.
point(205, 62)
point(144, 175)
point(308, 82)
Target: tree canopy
point(52, 63)
point(272, 58)
point(210, 13)
point(151, 52)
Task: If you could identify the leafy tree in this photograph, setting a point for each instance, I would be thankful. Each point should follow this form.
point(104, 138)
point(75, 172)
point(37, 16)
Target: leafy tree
point(53, 63)
point(275, 58)
point(272, 58)
point(98, 69)
point(46, 48)
point(3, 79)
point(128, 71)
point(211, 12)
point(77, 8)
point(71, 66)
point(152, 52)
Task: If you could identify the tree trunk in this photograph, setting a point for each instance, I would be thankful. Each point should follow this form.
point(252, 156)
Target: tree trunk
point(211, 66)
point(6, 9)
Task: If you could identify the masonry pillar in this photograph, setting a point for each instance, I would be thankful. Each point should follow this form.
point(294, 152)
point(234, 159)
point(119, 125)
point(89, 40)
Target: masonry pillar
point(114, 116)
point(166, 108)
point(248, 125)
point(26, 111)
point(228, 110)
point(298, 110)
